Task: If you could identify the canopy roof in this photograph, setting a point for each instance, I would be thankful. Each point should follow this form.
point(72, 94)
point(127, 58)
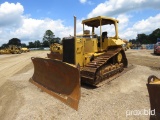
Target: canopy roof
point(95, 21)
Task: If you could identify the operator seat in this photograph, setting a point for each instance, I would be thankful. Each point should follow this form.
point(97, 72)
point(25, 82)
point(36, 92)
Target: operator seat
point(104, 35)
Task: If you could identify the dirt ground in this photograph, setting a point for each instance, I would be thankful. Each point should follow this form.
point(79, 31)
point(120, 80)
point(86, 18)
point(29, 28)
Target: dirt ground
point(21, 100)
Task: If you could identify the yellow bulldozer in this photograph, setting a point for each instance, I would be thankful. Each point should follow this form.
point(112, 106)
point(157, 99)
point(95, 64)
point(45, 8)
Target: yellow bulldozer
point(89, 58)
point(11, 49)
point(56, 51)
point(128, 44)
point(4, 51)
point(14, 49)
point(24, 49)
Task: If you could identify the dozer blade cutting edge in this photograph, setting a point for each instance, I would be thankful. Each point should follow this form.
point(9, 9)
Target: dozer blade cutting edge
point(58, 79)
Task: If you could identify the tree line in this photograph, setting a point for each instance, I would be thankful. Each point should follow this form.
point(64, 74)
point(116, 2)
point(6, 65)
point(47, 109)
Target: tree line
point(48, 39)
point(147, 39)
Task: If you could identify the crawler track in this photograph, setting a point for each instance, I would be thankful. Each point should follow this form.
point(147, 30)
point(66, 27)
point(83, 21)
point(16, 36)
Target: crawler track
point(103, 66)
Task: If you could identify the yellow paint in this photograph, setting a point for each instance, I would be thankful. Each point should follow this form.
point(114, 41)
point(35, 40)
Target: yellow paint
point(86, 45)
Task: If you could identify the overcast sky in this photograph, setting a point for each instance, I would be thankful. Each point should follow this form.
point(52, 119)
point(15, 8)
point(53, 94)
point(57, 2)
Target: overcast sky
point(29, 19)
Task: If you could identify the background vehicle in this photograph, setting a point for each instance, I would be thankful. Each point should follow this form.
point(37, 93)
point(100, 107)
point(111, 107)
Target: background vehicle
point(12, 49)
point(128, 44)
point(86, 58)
point(56, 51)
point(157, 48)
point(124, 46)
point(24, 49)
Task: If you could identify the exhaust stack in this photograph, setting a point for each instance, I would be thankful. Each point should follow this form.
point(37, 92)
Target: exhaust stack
point(74, 26)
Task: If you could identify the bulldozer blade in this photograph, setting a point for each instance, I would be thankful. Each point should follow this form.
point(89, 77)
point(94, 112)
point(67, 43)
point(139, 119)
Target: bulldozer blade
point(153, 87)
point(58, 79)
point(55, 56)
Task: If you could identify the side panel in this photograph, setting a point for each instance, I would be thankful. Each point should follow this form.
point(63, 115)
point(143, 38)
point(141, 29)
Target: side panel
point(111, 42)
point(90, 45)
point(79, 51)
